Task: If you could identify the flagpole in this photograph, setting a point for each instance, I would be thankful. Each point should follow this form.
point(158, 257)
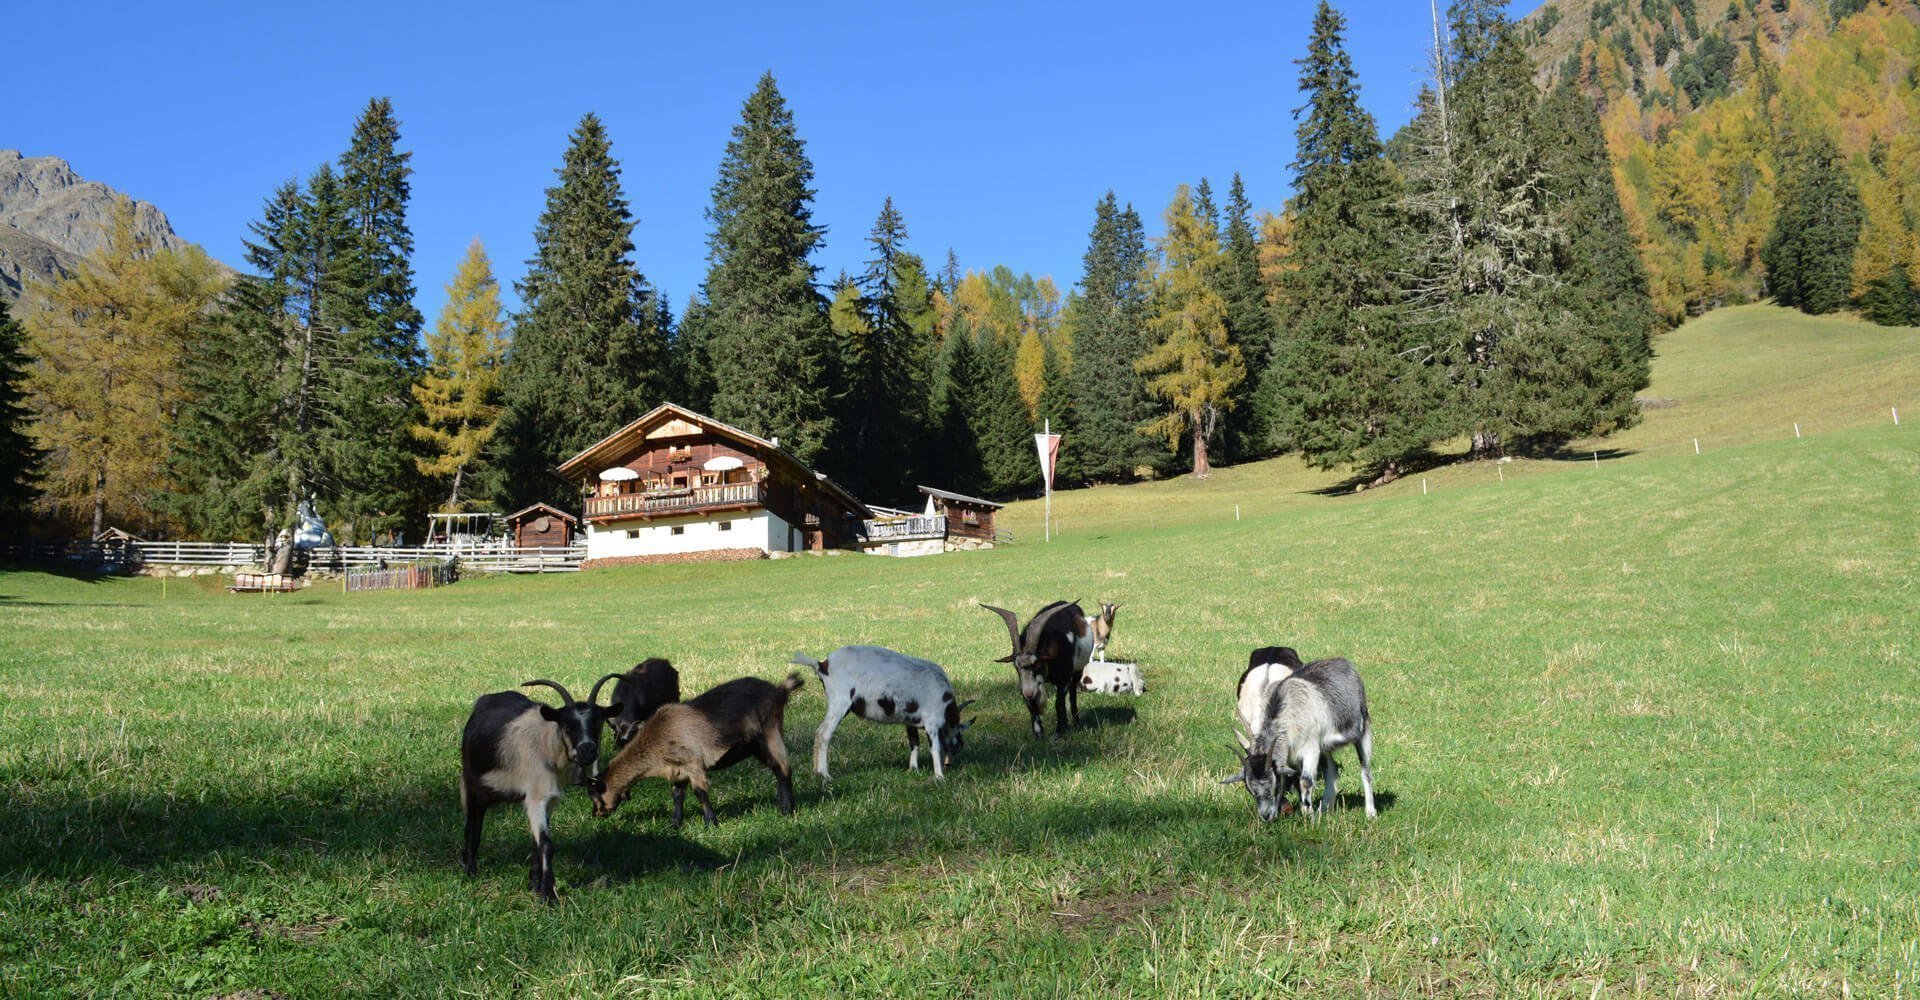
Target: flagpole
point(1048, 518)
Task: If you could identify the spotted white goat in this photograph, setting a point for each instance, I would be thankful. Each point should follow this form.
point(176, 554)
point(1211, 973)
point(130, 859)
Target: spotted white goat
point(1113, 677)
point(882, 685)
point(1314, 711)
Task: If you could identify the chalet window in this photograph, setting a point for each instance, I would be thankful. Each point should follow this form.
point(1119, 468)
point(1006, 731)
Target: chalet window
point(969, 517)
point(726, 525)
point(633, 532)
point(679, 529)
point(709, 478)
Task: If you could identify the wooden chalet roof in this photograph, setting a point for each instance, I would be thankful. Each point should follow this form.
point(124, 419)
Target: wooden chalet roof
point(553, 511)
point(613, 448)
point(960, 498)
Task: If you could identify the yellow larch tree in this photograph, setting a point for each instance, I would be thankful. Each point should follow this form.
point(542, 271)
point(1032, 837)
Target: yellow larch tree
point(459, 390)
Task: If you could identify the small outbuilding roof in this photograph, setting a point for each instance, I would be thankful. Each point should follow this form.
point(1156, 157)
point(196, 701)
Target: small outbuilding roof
point(553, 511)
point(960, 498)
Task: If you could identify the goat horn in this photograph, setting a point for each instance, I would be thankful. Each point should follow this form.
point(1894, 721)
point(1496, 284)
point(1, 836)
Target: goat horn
point(547, 683)
point(1013, 624)
point(963, 705)
point(594, 698)
point(1236, 779)
point(1039, 623)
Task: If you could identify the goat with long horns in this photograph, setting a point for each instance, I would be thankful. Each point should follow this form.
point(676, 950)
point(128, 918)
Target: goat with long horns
point(1053, 649)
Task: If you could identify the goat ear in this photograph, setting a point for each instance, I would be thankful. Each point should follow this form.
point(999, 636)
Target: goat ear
point(549, 713)
point(1235, 780)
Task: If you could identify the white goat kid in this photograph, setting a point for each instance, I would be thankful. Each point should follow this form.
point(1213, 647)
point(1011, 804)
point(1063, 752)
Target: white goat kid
point(1112, 678)
point(882, 685)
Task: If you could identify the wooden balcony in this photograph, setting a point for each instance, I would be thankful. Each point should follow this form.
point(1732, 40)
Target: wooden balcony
point(667, 503)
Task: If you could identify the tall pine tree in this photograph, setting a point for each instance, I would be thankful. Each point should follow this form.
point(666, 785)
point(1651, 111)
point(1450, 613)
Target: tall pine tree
point(1809, 256)
point(768, 336)
point(1249, 326)
point(886, 364)
point(1109, 323)
point(1345, 386)
point(376, 488)
point(588, 355)
point(20, 457)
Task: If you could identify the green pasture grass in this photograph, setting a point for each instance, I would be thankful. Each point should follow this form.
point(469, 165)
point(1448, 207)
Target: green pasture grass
point(1641, 729)
point(1734, 376)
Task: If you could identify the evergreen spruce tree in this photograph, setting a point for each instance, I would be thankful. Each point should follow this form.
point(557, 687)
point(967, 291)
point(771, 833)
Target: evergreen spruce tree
point(20, 458)
point(999, 419)
point(768, 338)
point(886, 361)
point(1809, 255)
point(1193, 367)
point(588, 355)
point(459, 391)
point(1249, 327)
point(1057, 412)
point(1109, 335)
point(1607, 352)
point(692, 368)
point(1891, 300)
point(375, 485)
point(1344, 388)
point(956, 462)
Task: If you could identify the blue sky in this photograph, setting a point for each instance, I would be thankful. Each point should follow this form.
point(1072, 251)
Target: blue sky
point(994, 126)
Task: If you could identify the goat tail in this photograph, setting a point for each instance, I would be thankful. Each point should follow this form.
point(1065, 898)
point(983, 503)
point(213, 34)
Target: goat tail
point(807, 661)
point(792, 683)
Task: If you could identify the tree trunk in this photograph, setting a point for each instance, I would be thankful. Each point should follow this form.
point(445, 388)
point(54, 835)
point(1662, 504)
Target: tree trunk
point(1200, 467)
point(1389, 471)
point(1486, 445)
point(99, 501)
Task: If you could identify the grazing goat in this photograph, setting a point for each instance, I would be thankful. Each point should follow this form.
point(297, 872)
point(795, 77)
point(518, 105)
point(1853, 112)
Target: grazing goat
point(683, 741)
point(1113, 677)
point(1318, 709)
point(881, 685)
point(1054, 648)
point(1102, 630)
point(515, 749)
point(638, 693)
point(1267, 666)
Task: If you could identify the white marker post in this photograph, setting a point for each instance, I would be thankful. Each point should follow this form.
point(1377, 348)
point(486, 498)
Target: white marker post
point(1048, 445)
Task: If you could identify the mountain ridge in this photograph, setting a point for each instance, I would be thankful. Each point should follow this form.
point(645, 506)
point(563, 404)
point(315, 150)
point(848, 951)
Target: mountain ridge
point(51, 219)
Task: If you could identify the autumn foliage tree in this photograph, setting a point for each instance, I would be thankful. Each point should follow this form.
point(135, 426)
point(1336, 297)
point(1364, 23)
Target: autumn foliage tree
point(459, 391)
point(1193, 367)
point(106, 377)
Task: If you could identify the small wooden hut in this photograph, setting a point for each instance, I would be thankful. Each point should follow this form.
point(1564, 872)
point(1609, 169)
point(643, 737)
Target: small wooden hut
point(967, 517)
point(542, 527)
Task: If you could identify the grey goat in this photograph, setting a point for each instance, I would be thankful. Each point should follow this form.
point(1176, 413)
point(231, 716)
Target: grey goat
point(1309, 714)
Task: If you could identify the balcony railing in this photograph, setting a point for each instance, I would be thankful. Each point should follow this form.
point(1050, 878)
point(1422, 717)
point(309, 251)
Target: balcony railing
point(662, 502)
point(892, 530)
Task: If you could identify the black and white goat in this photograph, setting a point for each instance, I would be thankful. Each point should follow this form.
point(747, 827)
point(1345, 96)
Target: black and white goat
point(1054, 648)
point(1112, 677)
point(882, 685)
point(684, 741)
point(1266, 666)
point(1309, 714)
point(515, 749)
point(639, 693)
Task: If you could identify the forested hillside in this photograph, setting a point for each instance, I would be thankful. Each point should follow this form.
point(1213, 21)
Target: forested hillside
point(1715, 110)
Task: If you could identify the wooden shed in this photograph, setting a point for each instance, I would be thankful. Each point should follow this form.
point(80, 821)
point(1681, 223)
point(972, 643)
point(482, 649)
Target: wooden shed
point(542, 527)
point(967, 517)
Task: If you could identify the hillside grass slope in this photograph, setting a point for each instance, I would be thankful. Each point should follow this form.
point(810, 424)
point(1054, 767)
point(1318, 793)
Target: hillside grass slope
point(1643, 727)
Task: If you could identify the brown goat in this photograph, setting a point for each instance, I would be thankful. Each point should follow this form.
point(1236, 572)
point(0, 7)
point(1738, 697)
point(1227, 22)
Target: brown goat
point(682, 742)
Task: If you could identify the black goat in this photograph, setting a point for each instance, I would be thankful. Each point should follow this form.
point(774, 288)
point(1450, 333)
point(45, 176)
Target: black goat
point(1054, 648)
point(515, 749)
point(638, 693)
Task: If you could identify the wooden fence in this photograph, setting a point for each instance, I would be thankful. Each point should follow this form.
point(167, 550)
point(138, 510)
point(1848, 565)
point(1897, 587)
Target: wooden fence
point(415, 577)
point(121, 556)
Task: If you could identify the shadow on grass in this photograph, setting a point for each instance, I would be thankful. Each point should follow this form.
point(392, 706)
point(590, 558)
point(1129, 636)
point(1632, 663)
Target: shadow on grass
point(82, 574)
point(1424, 461)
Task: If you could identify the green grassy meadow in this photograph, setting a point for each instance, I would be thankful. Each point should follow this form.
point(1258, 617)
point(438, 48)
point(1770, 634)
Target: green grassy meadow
point(1649, 726)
